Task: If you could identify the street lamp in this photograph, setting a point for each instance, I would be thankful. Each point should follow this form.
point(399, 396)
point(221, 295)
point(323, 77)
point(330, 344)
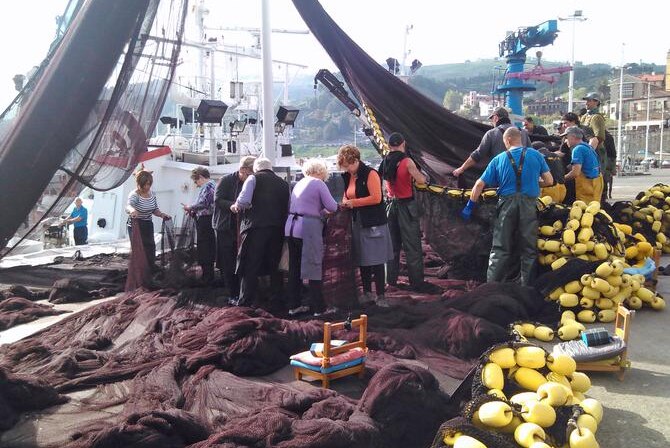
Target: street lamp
point(646, 138)
point(575, 17)
point(620, 123)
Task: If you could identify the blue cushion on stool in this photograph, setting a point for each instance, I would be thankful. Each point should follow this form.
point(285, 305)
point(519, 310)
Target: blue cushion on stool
point(331, 369)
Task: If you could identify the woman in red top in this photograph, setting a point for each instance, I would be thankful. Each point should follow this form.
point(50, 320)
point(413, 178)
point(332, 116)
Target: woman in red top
point(371, 240)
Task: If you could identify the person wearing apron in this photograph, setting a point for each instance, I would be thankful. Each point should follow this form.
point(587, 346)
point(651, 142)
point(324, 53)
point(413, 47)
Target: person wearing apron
point(519, 172)
point(310, 201)
point(585, 167)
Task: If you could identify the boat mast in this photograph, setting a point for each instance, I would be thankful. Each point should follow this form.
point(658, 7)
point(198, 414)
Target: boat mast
point(269, 149)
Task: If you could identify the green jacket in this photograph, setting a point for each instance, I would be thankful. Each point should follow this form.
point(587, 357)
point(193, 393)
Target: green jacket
point(596, 121)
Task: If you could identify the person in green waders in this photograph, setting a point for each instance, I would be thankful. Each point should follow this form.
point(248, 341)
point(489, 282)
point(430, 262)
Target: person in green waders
point(519, 172)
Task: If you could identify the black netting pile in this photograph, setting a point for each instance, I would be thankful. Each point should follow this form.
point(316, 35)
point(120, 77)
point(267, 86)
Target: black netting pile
point(20, 394)
point(339, 281)
point(407, 404)
point(464, 246)
point(103, 141)
point(504, 303)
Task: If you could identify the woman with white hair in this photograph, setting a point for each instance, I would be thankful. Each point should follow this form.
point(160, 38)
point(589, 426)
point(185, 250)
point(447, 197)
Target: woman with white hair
point(310, 201)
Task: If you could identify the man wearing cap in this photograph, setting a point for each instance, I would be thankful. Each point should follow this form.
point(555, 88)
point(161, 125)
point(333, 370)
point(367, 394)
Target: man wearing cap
point(398, 171)
point(516, 173)
point(585, 167)
point(594, 120)
point(492, 142)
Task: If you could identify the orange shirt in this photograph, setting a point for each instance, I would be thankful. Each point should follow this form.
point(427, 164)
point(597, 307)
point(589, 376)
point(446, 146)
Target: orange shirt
point(374, 187)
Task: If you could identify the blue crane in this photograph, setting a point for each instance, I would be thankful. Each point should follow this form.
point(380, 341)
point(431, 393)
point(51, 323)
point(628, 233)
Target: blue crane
point(514, 49)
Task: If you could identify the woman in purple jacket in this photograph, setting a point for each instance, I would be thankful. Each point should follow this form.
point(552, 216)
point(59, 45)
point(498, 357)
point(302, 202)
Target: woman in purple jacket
point(201, 210)
point(310, 202)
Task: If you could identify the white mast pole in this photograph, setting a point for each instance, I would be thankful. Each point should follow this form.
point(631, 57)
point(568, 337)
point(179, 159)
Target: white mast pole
point(269, 146)
point(213, 151)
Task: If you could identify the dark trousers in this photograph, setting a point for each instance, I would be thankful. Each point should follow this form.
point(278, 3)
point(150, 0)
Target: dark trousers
point(226, 248)
point(515, 232)
point(403, 221)
point(367, 275)
point(570, 192)
point(259, 254)
point(148, 242)
point(80, 235)
point(316, 304)
point(206, 245)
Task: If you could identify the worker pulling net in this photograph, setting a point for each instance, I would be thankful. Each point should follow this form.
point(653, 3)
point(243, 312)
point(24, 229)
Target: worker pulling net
point(101, 141)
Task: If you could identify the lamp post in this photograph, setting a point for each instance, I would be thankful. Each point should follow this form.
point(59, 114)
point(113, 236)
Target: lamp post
point(619, 137)
point(646, 138)
point(662, 126)
point(575, 17)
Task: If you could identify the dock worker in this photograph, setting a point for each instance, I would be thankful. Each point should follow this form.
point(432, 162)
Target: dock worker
point(492, 143)
point(585, 167)
point(596, 121)
point(79, 216)
point(263, 208)
point(224, 223)
point(519, 172)
point(399, 172)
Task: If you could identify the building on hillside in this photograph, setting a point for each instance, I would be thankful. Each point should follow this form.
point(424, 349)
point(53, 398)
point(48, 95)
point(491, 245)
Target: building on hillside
point(485, 103)
point(546, 106)
point(638, 92)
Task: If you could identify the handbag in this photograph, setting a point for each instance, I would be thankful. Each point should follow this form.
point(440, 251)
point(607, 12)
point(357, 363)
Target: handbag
point(283, 260)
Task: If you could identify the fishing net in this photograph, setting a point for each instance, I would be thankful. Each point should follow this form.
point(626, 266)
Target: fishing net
point(564, 423)
point(465, 247)
point(437, 138)
point(103, 122)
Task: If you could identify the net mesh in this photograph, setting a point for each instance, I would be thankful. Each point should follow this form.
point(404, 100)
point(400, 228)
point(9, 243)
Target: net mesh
point(114, 136)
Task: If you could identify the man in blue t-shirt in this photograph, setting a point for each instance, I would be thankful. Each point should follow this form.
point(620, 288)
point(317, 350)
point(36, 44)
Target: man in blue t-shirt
point(79, 217)
point(585, 167)
point(519, 172)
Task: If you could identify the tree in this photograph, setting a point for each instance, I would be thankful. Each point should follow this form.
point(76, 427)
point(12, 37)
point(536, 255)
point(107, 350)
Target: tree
point(452, 100)
point(330, 131)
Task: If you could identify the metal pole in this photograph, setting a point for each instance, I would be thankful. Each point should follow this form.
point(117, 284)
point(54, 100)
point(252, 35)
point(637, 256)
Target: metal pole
point(619, 137)
point(662, 126)
point(269, 147)
point(646, 139)
point(576, 16)
point(571, 83)
point(213, 151)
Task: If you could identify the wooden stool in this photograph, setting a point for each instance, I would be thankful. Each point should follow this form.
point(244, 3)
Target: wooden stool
point(620, 362)
point(327, 370)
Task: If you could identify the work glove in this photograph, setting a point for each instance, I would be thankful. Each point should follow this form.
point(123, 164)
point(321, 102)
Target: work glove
point(466, 213)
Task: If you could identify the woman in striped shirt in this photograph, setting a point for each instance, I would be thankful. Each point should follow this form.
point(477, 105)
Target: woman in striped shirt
point(141, 206)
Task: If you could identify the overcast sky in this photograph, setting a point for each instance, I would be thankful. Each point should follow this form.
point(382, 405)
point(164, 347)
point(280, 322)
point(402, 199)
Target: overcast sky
point(443, 31)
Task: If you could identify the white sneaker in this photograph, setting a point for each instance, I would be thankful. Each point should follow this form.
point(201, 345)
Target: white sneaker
point(299, 310)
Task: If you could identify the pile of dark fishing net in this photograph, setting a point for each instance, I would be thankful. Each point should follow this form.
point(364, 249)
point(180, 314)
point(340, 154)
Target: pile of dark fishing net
point(464, 246)
point(185, 373)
